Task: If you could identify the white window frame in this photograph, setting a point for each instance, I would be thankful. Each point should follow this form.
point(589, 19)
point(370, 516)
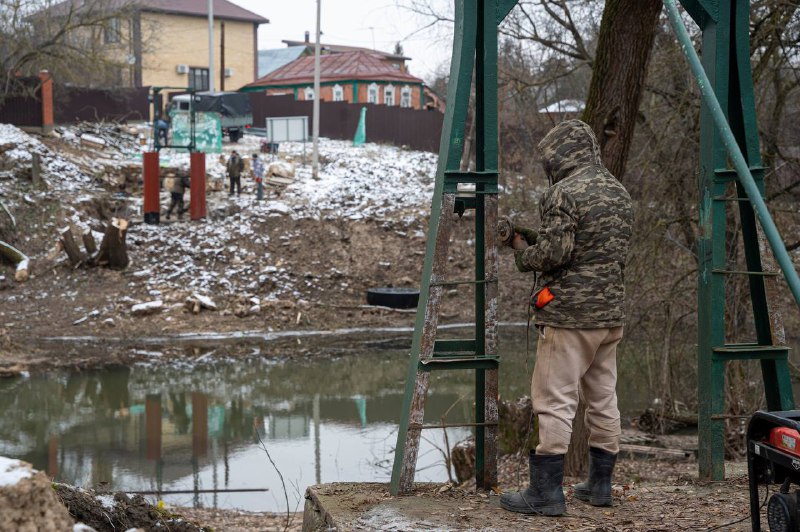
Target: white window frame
point(338, 93)
point(308, 93)
point(389, 91)
point(372, 93)
point(405, 97)
point(112, 33)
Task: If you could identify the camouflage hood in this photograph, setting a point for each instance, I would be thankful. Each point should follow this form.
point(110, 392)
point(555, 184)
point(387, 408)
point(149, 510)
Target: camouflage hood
point(567, 147)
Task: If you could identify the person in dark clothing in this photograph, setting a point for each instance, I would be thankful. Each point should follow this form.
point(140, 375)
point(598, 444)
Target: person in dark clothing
point(235, 167)
point(179, 186)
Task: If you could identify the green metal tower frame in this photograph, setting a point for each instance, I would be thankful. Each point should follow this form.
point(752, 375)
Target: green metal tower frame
point(728, 131)
point(474, 49)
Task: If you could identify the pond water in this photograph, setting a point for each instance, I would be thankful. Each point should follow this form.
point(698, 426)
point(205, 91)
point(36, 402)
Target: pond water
point(215, 420)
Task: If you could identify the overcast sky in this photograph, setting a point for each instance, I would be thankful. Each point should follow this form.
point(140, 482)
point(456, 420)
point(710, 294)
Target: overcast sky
point(376, 23)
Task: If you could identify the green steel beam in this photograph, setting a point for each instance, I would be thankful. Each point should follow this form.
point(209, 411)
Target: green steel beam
point(504, 7)
point(702, 11)
point(735, 153)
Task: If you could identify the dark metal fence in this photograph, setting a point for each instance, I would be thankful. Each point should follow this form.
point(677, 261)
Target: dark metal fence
point(24, 109)
point(419, 130)
point(76, 104)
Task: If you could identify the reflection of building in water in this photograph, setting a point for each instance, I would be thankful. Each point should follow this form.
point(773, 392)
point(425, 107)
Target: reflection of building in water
point(151, 429)
point(287, 426)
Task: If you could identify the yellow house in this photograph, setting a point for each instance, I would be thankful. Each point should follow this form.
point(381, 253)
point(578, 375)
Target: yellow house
point(165, 43)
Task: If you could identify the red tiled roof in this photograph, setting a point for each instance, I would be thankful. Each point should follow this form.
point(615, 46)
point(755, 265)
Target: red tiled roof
point(360, 66)
point(223, 9)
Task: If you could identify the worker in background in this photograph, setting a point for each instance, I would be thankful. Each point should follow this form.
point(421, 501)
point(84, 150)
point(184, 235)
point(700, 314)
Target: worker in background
point(578, 255)
point(257, 167)
point(179, 186)
point(162, 127)
point(234, 168)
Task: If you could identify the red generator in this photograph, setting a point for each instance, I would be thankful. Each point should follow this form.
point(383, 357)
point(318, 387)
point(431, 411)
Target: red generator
point(773, 457)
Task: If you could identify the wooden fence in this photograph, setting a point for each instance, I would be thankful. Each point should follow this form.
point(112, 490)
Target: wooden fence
point(77, 104)
point(416, 129)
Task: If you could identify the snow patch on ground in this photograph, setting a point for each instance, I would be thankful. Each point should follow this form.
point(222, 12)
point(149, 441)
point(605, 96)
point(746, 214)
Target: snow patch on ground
point(12, 471)
point(17, 149)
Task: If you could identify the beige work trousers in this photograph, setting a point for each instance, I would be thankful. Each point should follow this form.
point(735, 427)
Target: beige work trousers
point(571, 363)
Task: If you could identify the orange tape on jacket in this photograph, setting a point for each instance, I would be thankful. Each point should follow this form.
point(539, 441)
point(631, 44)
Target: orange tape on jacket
point(543, 297)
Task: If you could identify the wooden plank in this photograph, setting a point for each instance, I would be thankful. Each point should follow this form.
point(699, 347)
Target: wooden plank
point(279, 181)
point(654, 452)
point(427, 344)
point(491, 391)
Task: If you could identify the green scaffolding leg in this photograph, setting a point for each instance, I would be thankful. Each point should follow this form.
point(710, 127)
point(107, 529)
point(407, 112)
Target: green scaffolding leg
point(726, 63)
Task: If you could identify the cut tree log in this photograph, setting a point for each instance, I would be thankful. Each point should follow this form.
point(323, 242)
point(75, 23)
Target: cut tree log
point(113, 249)
point(149, 307)
point(76, 256)
point(17, 258)
point(89, 244)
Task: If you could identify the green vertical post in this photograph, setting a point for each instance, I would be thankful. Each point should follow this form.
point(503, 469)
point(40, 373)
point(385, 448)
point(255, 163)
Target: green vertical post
point(728, 131)
point(355, 92)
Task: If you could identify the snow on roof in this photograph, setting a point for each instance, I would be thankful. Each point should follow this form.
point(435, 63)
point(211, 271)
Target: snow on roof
point(366, 66)
point(564, 106)
point(338, 48)
point(12, 471)
point(271, 60)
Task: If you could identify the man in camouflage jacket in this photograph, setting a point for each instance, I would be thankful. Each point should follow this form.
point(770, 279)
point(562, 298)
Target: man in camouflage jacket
point(578, 255)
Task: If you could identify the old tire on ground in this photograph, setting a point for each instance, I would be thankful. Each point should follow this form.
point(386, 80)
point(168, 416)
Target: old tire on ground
point(393, 297)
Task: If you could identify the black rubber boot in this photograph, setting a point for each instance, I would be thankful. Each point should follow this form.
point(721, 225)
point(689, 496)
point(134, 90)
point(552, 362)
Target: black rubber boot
point(597, 490)
point(544, 495)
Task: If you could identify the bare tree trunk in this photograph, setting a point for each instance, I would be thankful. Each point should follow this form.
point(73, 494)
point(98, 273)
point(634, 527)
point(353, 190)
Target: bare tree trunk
point(576, 463)
point(626, 36)
point(627, 31)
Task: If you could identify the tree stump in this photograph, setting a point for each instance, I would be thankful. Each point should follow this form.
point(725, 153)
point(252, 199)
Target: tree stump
point(113, 249)
point(462, 456)
point(76, 256)
point(89, 244)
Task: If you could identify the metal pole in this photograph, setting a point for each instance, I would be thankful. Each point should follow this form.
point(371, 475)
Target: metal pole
point(735, 153)
point(211, 45)
point(315, 155)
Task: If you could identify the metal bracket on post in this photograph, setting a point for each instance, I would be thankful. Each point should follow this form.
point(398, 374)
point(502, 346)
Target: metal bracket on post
point(474, 46)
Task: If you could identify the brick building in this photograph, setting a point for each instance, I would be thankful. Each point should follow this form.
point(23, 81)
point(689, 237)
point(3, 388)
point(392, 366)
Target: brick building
point(358, 76)
point(165, 42)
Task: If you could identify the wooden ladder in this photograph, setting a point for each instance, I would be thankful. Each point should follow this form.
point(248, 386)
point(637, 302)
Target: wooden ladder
point(475, 45)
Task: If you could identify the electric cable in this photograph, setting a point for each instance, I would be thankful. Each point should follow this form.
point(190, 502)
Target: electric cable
point(725, 525)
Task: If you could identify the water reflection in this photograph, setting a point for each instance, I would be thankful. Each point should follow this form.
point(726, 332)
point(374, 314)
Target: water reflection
point(199, 428)
point(204, 426)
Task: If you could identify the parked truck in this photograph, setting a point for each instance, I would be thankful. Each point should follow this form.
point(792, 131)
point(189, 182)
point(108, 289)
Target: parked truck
point(234, 110)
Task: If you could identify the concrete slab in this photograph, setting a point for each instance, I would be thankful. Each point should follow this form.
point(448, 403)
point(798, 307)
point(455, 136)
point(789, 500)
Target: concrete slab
point(664, 507)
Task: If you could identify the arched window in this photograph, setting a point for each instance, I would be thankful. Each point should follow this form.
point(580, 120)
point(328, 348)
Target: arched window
point(338, 93)
point(309, 93)
point(372, 93)
point(405, 96)
point(388, 95)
